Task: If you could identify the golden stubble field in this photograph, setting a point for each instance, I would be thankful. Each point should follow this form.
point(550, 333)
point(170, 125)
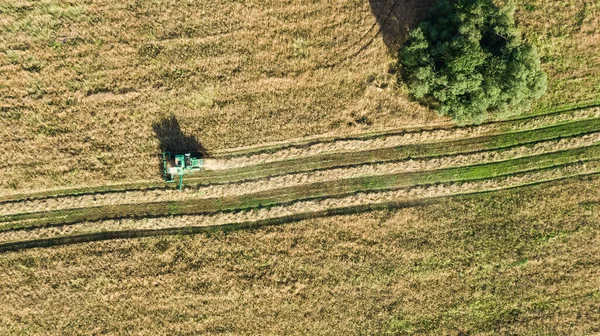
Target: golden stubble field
point(85, 85)
point(514, 262)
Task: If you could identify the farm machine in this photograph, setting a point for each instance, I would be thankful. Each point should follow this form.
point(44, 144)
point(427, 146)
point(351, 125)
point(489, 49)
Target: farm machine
point(179, 164)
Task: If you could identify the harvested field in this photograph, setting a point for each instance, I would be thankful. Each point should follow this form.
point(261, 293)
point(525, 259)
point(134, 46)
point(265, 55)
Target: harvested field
point(397, 222)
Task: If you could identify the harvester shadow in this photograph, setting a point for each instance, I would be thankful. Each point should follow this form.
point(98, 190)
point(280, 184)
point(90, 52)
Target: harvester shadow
point(172, 139)
point(397, 17)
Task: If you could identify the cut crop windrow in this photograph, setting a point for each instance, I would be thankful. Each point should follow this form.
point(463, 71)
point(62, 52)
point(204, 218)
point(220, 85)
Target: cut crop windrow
point(495, 127)
point(402, 139)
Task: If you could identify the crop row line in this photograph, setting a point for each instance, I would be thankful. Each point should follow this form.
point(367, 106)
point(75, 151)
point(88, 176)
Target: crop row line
point(403, 139)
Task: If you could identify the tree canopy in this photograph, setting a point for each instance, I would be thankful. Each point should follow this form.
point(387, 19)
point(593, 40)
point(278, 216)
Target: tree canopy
point(468, 60)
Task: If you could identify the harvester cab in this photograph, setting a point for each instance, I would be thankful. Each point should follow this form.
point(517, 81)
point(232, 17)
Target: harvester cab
point(180, 164)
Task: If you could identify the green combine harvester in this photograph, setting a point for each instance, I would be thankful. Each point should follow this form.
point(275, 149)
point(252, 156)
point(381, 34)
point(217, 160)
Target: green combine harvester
point(180, 164)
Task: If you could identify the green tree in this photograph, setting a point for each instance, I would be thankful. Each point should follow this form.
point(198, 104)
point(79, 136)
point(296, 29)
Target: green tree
point(468, 61)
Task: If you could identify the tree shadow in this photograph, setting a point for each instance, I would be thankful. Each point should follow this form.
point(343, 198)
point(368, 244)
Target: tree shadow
point(172, 139)
point(397, 17)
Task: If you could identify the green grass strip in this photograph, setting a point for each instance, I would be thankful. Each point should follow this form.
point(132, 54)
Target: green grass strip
point(315, 191)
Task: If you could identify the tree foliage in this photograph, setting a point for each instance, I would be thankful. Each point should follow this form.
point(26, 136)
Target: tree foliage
point(468, 60)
